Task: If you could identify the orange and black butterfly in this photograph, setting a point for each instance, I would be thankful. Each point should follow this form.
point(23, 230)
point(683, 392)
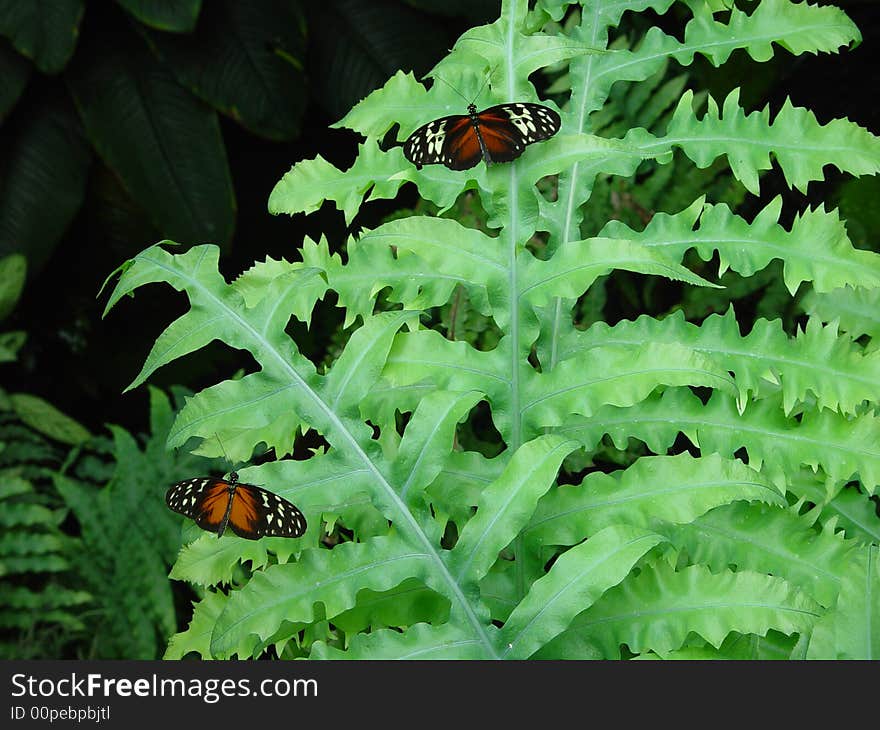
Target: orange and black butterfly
point(248, 510)
point(497, 134)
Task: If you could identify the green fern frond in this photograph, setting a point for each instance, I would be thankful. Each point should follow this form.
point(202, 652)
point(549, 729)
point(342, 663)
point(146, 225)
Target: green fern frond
point(843, 448)
point(767, 539)
point(852, 629)
point(575, 581)
point(816, 249)
point(857, 310)
point(197, 637)
point(815, 366)
point(653, 491)
point(656, 610)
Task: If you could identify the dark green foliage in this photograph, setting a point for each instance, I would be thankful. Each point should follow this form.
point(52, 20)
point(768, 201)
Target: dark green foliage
point(176, 16)
point(257, 73)
point(177, 169)
point(149, 78)
point(42, 602)
point(87, 544)
point(44, 166)
point(15, 71)
point(45, 32)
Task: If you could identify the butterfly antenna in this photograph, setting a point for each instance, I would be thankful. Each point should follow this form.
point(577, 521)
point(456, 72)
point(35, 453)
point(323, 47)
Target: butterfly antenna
point(225, 455)
point(486, 81)
point(440, 78)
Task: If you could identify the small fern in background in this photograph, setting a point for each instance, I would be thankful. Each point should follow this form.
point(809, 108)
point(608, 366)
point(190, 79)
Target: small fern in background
point(40, 605)
point(567, 488)
point(40, 599)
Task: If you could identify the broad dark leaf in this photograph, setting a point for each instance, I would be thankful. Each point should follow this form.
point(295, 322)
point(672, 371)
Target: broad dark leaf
point(479, 11)
point(114, 217)
point(177, 16)
point(246, 60)
point(44, 163)
point(359, 44)
point(45, 32)
point(163, 143)
point(15, 72)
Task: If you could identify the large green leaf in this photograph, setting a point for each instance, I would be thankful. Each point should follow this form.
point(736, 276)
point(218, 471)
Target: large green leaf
point(178, 16)
point(843, 447)
point(246, 60)
point(163, 143)
point(45, 32)
point(816, 249)
point(800, 145)
point(852, 629)
point(284, 593)
point(43, 169)
point(197, 637)
point(857, 309)
point(421, 641)
point(817, 364)
point(506, 505)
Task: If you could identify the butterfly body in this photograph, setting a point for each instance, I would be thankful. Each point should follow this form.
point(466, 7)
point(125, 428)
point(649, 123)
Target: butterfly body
point(249, 511)
point(497, 134)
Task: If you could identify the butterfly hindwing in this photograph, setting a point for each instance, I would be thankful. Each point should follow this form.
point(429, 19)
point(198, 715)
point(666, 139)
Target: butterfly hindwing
point(257, 512)
point(497, 134)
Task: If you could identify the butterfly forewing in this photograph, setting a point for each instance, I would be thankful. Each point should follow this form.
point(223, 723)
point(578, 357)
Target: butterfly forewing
point(531, 122)
point(248, 510)
point(188, 497)
point(428, 145)
point(497, 134)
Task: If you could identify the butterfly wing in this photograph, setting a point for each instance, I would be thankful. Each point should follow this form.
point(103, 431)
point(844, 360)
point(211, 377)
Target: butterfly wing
point(257, 512)
point(506, 129)
point(450, 141)
point(203, 499)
